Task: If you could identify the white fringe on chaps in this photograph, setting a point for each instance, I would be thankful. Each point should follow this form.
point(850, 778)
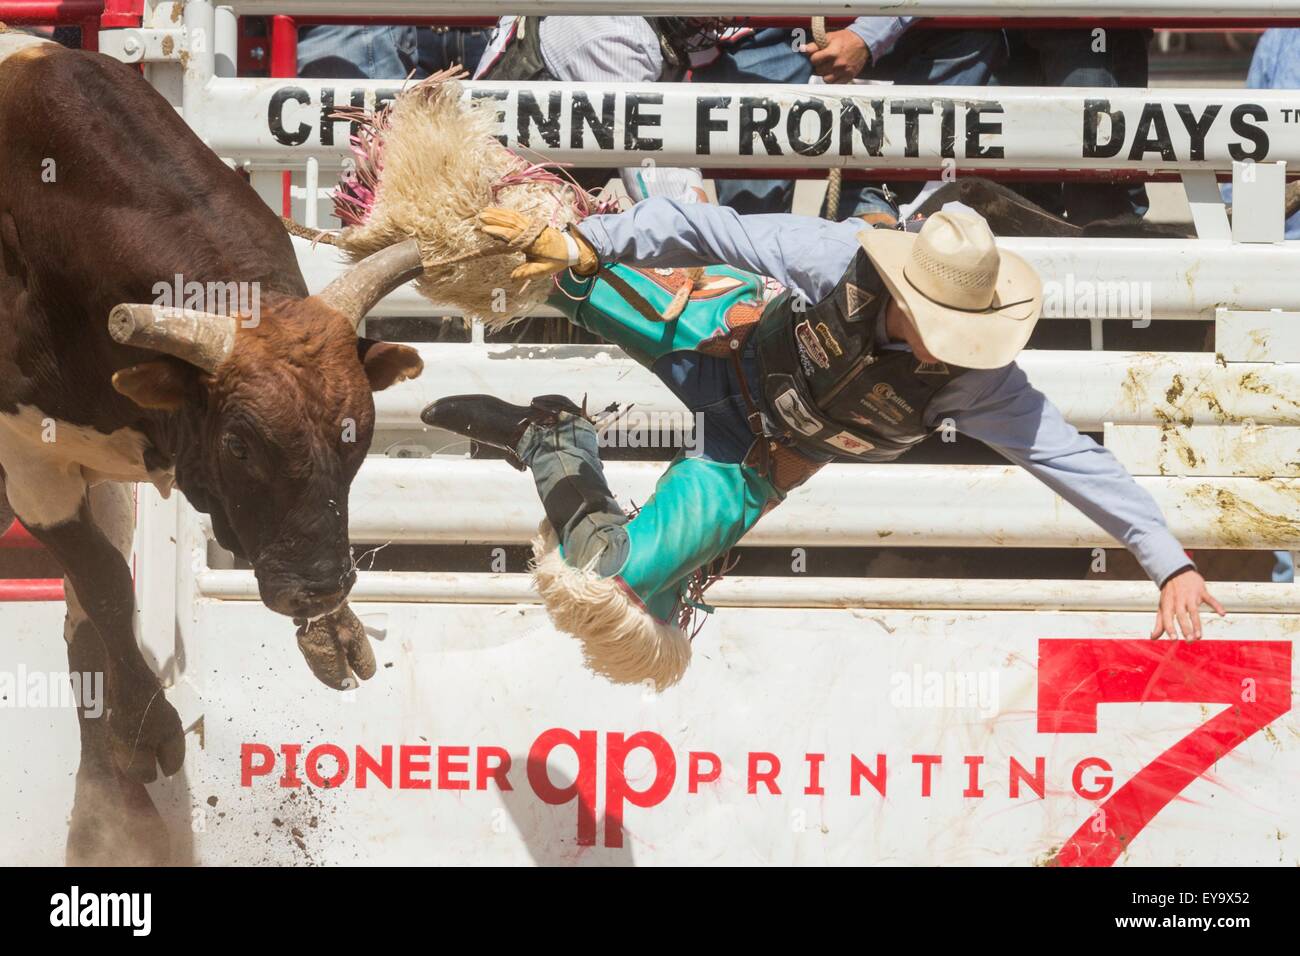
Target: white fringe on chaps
point(620, 640)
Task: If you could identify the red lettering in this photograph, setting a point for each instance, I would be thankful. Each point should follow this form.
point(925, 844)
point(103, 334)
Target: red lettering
point(290, 776)
point(1088, 763)
point(383, 769)
point(247, 770)
point(973, 787)
point(1075, 676)
point(446, 768)
point(814, 787)
point(584, 787)
point(926, 761)
point(413, 759)
point(1036, 782)
point(313, 766)
point(767, 776)
point(496, 772)
point(616, 786)
point(858, 770)
point(694, 776)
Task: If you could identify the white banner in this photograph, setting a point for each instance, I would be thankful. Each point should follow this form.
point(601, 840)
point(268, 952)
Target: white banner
point(956, 129)
point(796, 737)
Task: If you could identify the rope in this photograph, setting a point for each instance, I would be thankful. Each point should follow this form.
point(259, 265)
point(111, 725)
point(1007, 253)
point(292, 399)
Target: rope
point(326, 236)
point(834, 176)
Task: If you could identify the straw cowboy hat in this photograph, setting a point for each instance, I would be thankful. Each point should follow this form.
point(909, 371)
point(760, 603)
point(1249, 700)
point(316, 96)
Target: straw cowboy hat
point(972, 305)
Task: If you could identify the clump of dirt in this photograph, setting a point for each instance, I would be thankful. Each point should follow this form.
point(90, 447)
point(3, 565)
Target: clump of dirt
point(305, 821)
point(1050, 858)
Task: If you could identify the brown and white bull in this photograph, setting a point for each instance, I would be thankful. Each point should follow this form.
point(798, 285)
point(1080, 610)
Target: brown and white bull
point(261, 421)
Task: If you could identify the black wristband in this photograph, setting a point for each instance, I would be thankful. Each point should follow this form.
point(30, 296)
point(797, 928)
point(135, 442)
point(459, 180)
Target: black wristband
point(1183, 570)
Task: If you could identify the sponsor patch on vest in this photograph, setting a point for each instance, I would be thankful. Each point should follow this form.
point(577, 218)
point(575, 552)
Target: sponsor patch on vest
point(795, 413)
point(811, 345)
point(849, 443)
point(885, 391)
point(829, 339)
point(931, 368)
point(886, 402)
point(865, 420)
point(856, 300)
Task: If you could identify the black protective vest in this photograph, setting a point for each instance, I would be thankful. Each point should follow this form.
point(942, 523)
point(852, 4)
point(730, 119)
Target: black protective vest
point(522, 57)
point(827, 383)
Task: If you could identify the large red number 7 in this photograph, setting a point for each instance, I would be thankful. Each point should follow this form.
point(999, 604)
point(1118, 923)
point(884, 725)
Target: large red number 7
point(1074, 676)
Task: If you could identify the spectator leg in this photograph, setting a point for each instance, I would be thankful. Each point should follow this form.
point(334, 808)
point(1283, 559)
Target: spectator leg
point(443, 47)
point(373, 53)
point(1072, 58)
point(769, 56)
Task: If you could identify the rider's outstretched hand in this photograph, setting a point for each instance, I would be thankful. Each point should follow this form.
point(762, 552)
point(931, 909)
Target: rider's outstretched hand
point(1180, 606)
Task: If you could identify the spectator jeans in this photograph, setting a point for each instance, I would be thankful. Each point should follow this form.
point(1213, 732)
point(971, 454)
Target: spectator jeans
point(386, 53)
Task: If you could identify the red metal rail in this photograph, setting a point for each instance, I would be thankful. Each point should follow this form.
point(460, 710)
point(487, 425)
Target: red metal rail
point(34, 589)
point(83, 13)
point(284, 62)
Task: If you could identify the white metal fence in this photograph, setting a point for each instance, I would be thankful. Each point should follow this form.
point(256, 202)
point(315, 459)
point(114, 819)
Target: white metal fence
point(268, 124)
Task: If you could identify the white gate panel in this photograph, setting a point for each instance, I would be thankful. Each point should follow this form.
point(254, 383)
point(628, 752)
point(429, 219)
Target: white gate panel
point(478, 683)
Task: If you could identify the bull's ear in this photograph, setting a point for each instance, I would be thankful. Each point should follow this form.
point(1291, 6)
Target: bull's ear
point(160, 384)
point(387, 363)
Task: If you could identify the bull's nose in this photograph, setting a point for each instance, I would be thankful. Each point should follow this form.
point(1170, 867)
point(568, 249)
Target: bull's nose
point(338, 584)
point(314, 604)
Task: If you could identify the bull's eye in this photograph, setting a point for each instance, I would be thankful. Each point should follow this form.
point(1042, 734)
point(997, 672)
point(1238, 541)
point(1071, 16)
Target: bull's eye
point(235, 445)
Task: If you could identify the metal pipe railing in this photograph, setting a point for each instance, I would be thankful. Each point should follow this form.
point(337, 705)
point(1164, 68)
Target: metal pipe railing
point(808, 592)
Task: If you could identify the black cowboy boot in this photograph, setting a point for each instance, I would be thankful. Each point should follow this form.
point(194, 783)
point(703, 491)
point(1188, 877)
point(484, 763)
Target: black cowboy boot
point(491, 421)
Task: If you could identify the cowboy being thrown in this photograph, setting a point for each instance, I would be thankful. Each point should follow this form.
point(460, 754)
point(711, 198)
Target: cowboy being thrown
point(877, 338)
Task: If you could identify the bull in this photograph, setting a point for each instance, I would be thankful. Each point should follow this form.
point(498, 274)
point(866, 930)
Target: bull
point(262, 421)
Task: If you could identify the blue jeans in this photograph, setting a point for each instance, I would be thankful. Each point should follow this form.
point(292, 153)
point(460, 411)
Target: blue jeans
point(385, 53)
point(708, 387)
point(922, 57)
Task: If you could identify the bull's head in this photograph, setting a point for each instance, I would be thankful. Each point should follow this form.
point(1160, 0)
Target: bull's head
point(278, 416)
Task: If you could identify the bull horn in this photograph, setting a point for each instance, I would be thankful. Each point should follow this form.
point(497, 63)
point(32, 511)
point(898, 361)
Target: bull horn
point(358, 290)
point(204, 339)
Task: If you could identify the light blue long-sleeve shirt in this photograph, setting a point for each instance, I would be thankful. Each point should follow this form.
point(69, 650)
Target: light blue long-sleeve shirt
point(996, 406)
point(880, 34)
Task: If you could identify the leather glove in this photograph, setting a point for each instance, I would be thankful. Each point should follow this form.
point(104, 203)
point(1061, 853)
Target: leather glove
point(549, 250)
